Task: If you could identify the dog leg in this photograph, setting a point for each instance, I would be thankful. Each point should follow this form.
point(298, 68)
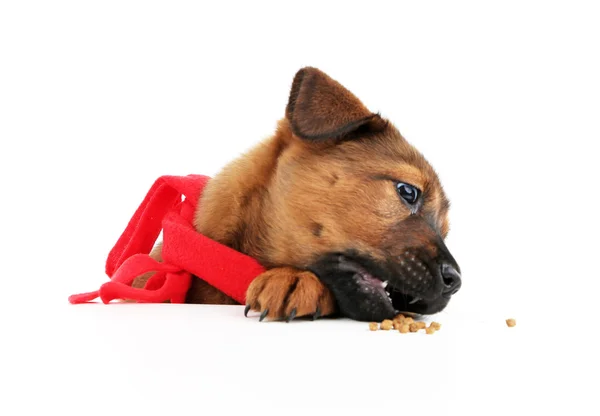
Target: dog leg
point(286, 293)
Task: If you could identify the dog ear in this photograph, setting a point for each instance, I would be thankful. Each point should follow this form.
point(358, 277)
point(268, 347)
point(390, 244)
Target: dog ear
point(321, 108)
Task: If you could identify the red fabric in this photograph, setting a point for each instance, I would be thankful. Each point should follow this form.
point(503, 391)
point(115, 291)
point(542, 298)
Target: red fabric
point(170, 206)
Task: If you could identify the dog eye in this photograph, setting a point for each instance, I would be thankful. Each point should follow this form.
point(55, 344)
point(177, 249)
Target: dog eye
point(407, 192)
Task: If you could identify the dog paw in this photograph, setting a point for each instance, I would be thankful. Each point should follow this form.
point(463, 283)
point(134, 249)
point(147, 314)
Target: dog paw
point(287, 293)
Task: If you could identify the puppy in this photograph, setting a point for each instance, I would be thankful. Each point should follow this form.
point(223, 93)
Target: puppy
point(347, 217)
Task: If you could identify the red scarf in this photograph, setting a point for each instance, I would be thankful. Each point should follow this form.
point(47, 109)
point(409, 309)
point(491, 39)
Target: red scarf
point(170, 206)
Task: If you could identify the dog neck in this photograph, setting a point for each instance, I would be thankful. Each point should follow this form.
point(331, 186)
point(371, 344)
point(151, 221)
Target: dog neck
point(235, 205)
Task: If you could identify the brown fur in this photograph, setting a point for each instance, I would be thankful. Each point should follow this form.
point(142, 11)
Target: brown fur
point(321, 182)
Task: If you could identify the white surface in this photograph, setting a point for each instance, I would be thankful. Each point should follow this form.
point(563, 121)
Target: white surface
point(164, 359)
point(98, 100)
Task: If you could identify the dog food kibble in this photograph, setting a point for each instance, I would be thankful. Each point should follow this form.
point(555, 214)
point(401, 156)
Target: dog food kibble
point(511, 322)
point(386, 325)
point(413, 327)
point(404, 325)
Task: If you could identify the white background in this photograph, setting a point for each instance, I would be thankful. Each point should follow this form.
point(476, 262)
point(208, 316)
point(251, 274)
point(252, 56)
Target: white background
point(98, 99)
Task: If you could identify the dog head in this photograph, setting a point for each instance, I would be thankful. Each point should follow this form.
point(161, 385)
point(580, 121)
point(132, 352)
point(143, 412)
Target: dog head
point(359, 206)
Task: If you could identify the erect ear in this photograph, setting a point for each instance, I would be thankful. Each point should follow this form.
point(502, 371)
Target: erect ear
point(321, 108)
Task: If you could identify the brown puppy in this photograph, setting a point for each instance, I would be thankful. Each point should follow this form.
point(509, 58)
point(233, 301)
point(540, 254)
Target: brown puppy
point(347, 216)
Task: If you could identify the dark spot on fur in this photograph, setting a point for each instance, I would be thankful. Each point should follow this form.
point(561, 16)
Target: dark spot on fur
point(245, 200)
point(333, 179)
point(317, 229)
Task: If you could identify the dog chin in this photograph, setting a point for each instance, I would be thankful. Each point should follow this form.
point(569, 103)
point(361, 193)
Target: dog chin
point(407, 303)
point(396, 301)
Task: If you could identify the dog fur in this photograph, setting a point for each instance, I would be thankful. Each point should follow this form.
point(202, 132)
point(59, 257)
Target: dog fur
point(317, 204)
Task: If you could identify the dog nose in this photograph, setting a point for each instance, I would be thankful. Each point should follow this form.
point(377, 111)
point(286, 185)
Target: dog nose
point(451, 280)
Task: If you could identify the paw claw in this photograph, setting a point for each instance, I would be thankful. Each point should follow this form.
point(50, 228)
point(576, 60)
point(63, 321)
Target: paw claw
point(263, 315)
point(317, 314)
point(246, 310)
point(292, 315)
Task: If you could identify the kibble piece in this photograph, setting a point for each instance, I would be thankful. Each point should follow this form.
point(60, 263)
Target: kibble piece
point(435, 326)
point(399, 317)
point(430, 330)
point(398, 320)
point(511, 322)
point(404, 328)
point(373, 326)
point(421, 325)
point(408, 320)
point(386, 325)
point(414, 327)
point(397, 324)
